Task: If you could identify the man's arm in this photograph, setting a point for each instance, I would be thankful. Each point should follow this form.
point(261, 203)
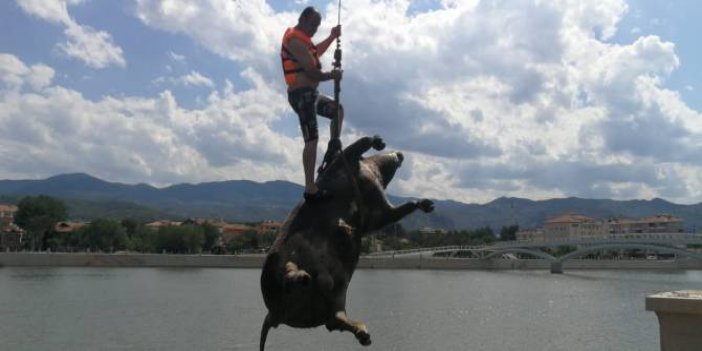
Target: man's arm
point(324, 44)
point(305, 59)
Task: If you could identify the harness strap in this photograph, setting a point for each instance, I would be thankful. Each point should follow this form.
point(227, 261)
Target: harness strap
point(296, 70)
point(290, 56)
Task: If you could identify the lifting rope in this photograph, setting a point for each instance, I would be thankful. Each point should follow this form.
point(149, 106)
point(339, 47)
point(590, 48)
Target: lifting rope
point(352, 177)
point(337, 65)
point(334, 145)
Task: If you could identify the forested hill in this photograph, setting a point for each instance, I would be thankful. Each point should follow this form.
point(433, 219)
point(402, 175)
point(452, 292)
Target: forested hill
point(247, 201)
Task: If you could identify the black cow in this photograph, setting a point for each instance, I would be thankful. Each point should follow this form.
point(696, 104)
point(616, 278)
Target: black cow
point(308, 269)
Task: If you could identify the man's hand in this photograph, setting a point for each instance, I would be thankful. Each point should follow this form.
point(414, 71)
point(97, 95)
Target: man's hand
point(336, 74)
point(335, 32)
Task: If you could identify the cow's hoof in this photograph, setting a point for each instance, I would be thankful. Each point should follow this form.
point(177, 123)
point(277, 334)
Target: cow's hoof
point(426, 205)
point(363, 338)
point(302, 277)
point(378, 143)
point(345, 228)
point(298, 277)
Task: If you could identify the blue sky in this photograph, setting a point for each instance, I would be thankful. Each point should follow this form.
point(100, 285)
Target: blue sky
point(486, 98)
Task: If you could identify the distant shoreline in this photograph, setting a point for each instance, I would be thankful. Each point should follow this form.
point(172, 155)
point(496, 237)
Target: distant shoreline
point(59, 259)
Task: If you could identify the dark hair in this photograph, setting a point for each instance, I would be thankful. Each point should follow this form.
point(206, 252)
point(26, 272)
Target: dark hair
point(307, 12)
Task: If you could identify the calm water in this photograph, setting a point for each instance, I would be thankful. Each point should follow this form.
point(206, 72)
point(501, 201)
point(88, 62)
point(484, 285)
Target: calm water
point(221, 309)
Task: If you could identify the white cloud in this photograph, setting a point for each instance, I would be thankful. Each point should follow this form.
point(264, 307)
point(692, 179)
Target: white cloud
point(196, 79)
point(135, 139)
point(40, 76)
point(54, 11)
point(176, 57)
point(95, 48)
point(192, 79)
point(239, 30)
point(520, 98)
point(15, 74)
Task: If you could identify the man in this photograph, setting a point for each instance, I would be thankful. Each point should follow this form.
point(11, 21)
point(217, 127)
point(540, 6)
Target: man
point(303, 72)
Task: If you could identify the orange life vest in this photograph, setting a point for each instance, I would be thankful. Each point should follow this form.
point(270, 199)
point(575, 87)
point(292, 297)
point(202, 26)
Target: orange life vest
point(290, 65)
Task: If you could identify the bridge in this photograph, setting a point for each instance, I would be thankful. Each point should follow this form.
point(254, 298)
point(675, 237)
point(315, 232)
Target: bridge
point(670, 243)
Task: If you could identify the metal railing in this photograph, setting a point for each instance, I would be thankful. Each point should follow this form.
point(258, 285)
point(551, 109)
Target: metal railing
point(658, 238)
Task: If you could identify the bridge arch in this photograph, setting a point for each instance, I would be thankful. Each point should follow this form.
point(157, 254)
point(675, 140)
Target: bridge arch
point(589, 249)
point(537, 253)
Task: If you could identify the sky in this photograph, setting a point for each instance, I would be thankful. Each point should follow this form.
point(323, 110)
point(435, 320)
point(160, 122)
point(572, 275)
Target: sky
point(520, 98)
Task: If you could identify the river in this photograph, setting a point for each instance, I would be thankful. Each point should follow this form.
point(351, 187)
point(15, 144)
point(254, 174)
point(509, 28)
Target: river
point(221, 309)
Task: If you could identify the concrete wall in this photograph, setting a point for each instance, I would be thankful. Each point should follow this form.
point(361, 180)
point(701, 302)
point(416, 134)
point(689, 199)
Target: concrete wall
point(456, 263)
point(23, 259)
point(680, 318)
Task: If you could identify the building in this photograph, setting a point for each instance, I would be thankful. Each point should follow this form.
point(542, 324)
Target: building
point(7, 215)
point(268, 226)
point(11, 238)
point(232, 230)
point(68, 227)
point(572, 225)
point(661, 223)
point(156, 225)
point(430, 230)
point(10, 234)
point(531, 234)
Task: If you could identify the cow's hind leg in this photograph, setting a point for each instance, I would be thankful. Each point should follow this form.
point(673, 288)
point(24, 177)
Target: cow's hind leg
point(343, 323)
point(293, 274)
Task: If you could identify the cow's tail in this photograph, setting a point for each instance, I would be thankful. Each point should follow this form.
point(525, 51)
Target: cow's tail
point(264, 331)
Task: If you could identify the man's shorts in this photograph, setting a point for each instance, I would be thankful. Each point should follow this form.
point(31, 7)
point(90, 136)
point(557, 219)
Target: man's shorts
point(308, 103)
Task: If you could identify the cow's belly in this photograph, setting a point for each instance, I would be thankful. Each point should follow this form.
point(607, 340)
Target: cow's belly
point(306, 309)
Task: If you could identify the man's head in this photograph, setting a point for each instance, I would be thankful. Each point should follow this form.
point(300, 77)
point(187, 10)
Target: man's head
point(309, 20)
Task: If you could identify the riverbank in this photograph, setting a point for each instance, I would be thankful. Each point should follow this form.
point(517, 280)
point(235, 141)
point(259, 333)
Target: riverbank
point(44, 259)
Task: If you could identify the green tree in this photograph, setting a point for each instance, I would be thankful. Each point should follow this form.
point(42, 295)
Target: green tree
point(245, 241)
point(193, 238)
point(212, 236)
point(140, 239)
point(482, 236)
point(75, 240)
point(38, 215)
point(478, 236)
point(509, 233)
point(266, 239)
point(130, 225)
point(366, 244)
point(55, 242)
point(105, 235)
point(180, 239)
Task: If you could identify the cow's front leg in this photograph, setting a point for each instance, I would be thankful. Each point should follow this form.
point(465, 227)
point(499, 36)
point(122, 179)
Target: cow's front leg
point(394, 214)
point(358, 148)
point(341, 322)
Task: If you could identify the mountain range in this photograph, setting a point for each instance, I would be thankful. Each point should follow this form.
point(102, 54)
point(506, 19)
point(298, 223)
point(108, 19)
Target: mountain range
point(247, 201)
